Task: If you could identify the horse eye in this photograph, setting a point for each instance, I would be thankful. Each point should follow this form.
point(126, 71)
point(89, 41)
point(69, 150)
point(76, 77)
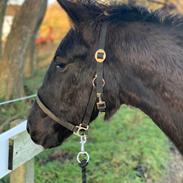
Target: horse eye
point(60, 66)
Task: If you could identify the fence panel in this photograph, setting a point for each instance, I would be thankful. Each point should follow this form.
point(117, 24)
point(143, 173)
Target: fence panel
point(16, 148)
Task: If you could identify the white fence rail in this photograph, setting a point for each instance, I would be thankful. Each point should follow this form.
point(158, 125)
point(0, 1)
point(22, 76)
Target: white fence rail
point(16, 148)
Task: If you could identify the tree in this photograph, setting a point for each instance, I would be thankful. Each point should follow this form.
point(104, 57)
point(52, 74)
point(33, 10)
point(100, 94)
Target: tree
point(28, 68)
point(3, 5)
point(18, 41)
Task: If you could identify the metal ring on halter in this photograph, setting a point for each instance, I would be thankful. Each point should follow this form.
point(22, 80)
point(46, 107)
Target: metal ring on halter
point(94, 79)
point(85, 155)
point(81, 130)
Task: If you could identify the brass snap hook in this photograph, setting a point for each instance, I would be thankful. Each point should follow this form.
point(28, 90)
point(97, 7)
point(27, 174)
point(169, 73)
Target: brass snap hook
point(83, 155)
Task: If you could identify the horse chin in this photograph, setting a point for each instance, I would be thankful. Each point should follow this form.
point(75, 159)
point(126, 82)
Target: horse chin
point(46, 141)
point(46, 137)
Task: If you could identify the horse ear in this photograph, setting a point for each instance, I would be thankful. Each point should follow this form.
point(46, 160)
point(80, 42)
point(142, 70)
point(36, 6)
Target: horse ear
point(77, 12)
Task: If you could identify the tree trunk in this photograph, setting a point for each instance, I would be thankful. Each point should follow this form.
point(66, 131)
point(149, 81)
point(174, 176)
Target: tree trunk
point(3, 5)
point(18, 41)
point(31, 57)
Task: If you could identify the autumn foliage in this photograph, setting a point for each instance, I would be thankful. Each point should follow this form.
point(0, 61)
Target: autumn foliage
point(55, 20)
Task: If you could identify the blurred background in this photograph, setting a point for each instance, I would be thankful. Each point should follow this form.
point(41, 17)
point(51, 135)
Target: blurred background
point(131, 148)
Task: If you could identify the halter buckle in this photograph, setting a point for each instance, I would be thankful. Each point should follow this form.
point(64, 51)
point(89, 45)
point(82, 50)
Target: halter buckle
point(100, 56)
point(101, 105)
point(81, 130)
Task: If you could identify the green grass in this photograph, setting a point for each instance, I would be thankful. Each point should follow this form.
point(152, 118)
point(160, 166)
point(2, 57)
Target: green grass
point(128, 149)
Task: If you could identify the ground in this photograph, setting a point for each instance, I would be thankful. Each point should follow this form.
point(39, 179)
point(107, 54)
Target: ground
point(174, 170)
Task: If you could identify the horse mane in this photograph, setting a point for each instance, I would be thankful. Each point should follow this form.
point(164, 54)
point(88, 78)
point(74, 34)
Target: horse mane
point(128, 13)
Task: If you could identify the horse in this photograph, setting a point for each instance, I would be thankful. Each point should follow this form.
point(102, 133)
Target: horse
point(143, 68)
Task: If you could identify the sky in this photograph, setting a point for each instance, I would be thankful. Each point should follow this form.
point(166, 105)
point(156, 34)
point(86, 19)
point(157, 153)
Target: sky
point(21, 1)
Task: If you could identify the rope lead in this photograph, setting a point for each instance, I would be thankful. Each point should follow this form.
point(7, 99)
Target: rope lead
point(83, 166)
point(83, 158)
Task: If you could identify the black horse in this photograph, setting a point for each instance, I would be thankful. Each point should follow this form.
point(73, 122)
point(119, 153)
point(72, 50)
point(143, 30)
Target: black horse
point(143, 68)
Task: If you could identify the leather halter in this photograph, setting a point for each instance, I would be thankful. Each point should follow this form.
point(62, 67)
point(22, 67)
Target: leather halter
point(96, 96)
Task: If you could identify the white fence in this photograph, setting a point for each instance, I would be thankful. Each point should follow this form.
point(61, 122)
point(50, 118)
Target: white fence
point(16, 150)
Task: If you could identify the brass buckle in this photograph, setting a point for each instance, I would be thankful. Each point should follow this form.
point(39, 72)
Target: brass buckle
point(81, 130)
point(100, 56)
point(101, 105)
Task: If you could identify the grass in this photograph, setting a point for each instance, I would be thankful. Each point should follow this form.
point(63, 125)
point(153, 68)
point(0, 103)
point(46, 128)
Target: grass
point(128, 149)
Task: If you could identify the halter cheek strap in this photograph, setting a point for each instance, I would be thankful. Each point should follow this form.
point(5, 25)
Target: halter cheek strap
point(96, 96)
point(100, 57)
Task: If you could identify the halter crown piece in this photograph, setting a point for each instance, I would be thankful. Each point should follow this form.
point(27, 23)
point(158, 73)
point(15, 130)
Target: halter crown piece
point(96, 96)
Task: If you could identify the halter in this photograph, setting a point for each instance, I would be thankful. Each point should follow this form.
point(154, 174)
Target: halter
point(96, 96)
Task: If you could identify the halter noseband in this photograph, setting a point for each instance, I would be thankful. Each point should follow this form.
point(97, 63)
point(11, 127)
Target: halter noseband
point(98, 84)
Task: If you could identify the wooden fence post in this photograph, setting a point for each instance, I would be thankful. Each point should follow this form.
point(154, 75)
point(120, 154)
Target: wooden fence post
point(23, 174)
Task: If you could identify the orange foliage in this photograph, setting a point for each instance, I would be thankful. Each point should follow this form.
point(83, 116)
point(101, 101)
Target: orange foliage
point(56, 19)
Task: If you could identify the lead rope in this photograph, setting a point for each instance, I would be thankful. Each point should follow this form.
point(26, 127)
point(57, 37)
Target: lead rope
point(83, 166)
point(83, 158)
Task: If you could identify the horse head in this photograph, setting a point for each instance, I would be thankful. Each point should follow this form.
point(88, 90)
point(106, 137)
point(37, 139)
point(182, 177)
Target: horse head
point(143, 68)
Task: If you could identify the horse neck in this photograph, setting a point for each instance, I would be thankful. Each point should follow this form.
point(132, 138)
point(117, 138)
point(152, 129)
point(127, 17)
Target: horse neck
point(150, 68)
